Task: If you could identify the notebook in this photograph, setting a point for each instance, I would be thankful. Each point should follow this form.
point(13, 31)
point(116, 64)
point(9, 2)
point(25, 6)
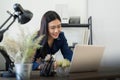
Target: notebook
point(86, 58)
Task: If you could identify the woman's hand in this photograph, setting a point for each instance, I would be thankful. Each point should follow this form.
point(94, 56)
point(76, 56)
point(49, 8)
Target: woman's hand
point(55, 65)
point(38, 60)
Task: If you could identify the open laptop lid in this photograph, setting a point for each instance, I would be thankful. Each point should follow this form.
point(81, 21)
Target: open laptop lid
point(86, 58)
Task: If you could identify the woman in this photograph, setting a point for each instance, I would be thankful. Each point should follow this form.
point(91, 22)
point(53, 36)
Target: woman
point(53, 41)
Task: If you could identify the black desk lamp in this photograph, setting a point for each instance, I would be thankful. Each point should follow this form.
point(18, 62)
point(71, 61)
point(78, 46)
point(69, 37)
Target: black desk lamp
point(23, 17)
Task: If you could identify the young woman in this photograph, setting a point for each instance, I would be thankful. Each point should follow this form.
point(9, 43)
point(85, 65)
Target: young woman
point(53, 41)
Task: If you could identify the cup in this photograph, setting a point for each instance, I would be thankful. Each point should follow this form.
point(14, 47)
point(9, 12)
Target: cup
point(62, 71)
point(23, 71)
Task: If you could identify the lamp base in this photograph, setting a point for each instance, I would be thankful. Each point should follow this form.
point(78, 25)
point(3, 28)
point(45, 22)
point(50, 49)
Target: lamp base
point(7, 74)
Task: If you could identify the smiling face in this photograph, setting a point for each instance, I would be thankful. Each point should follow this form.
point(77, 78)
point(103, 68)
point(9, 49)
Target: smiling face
point(54, 29)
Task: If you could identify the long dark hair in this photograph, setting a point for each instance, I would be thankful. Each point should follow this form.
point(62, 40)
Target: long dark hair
point(47, 17)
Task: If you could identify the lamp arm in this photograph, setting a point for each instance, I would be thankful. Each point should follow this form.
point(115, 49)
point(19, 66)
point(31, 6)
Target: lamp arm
point(7, 19)
point(9, 63)
point(10, 24)
point(2, 31)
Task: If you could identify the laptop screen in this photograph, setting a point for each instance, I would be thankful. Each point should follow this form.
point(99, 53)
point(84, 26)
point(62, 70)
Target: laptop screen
point(86, 58)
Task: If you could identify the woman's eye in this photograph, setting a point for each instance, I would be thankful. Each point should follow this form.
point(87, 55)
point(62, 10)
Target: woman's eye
point(58, 26)
point(53, 28)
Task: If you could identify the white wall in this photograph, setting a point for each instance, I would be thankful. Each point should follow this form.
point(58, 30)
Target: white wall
point(106, 28)
point(39, 7)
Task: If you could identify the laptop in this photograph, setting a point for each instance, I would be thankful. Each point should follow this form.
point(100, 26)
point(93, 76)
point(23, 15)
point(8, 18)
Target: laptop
point(86, 58)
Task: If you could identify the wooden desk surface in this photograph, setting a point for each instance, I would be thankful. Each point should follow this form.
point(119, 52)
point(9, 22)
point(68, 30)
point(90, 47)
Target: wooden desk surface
point(74, 76)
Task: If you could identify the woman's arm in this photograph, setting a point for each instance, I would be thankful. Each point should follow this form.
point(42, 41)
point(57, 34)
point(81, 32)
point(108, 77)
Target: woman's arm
point(37, 65)
point(66, 51)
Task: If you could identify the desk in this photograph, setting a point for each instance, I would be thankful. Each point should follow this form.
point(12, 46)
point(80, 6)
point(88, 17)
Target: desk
point(75, 76)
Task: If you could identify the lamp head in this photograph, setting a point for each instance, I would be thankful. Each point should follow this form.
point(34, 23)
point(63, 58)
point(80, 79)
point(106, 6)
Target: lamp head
point(24, 16)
